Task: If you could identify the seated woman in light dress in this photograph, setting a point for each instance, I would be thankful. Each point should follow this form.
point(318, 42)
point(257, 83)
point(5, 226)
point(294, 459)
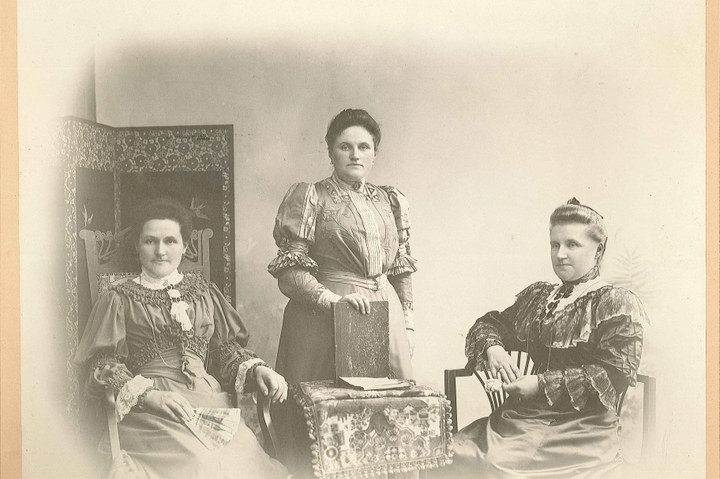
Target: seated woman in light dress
point(167, 344)
point(585, 337)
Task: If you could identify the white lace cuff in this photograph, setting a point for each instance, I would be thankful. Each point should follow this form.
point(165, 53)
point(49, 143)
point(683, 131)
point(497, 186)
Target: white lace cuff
point(242, 371)
point(127, 398)
point(326, 298)
point(409, 319)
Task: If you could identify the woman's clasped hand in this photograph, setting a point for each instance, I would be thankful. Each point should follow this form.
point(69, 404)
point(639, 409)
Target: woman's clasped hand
point(502, 365)
point(503, 369)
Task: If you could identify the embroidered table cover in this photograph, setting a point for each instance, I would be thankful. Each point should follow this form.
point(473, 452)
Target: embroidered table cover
point(365, 433)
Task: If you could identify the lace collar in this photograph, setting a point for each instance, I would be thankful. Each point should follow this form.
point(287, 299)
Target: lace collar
point(573, 321)
point(149, 282)
point(578, 290)
point(191, 286)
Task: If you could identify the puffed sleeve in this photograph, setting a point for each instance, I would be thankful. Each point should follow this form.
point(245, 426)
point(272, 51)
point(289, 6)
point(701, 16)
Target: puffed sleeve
point(403, 263)
point(497, 328)
point(294, 230)
point(104, 335)
point(230, 361)
point(103, 348)
point(612, 355)
point(294, 233)
point(403, 266)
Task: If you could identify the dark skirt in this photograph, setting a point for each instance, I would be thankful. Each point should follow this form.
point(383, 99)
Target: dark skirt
point(529, 440)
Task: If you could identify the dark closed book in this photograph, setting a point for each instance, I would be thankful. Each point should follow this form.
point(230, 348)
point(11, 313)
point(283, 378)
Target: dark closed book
point(362, 341)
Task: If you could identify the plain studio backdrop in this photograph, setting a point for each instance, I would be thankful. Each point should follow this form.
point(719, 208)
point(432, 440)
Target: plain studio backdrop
point(493, 113)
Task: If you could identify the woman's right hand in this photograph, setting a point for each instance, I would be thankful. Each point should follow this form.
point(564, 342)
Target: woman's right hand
point(357, 301)
point(168, 404)
point(501, 364)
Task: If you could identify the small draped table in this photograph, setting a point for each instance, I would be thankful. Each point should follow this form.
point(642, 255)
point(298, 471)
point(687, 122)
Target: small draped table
point(351, 433)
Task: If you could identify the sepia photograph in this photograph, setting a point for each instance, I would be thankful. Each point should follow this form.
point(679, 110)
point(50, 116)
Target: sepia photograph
point(362, 239)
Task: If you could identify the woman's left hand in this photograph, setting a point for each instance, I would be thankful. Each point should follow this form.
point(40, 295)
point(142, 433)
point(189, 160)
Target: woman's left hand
point(524, 387)
point(271, 384)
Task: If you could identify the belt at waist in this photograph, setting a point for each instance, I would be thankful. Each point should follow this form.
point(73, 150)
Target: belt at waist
point(374, 284)
point(171, 366)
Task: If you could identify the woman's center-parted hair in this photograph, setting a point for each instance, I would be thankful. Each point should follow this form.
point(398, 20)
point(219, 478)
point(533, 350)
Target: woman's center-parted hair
point(574, 212)
point(163, 209)
point(352, 117)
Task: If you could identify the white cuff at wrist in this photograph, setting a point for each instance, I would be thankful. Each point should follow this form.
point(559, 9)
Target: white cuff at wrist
point(409, 319)
point(128, 396)
point(242, 371)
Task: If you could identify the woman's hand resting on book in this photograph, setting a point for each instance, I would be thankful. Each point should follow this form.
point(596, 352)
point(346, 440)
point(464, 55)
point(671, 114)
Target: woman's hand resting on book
point(358, 301)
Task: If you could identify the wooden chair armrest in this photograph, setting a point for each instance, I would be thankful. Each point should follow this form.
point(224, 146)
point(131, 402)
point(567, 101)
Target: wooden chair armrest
point(266, 425)
point(649, 415)
point(109, 404)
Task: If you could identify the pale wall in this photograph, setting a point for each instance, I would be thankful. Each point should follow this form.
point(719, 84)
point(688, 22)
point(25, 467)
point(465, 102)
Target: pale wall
point(490, 120)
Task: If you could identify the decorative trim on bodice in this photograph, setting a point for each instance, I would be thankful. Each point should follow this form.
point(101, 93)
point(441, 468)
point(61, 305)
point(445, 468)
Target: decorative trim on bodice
point(371, 238)
point(340, 189)
point(191, 287)
point(168, 338)
point(572, 324)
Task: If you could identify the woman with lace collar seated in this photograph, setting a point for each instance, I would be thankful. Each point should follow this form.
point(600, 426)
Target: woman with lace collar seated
point(150, 338)
point(585, 338)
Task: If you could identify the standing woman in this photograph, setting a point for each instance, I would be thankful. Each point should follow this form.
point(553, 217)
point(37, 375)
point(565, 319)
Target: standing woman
point(585, 338)
point(342, 239)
